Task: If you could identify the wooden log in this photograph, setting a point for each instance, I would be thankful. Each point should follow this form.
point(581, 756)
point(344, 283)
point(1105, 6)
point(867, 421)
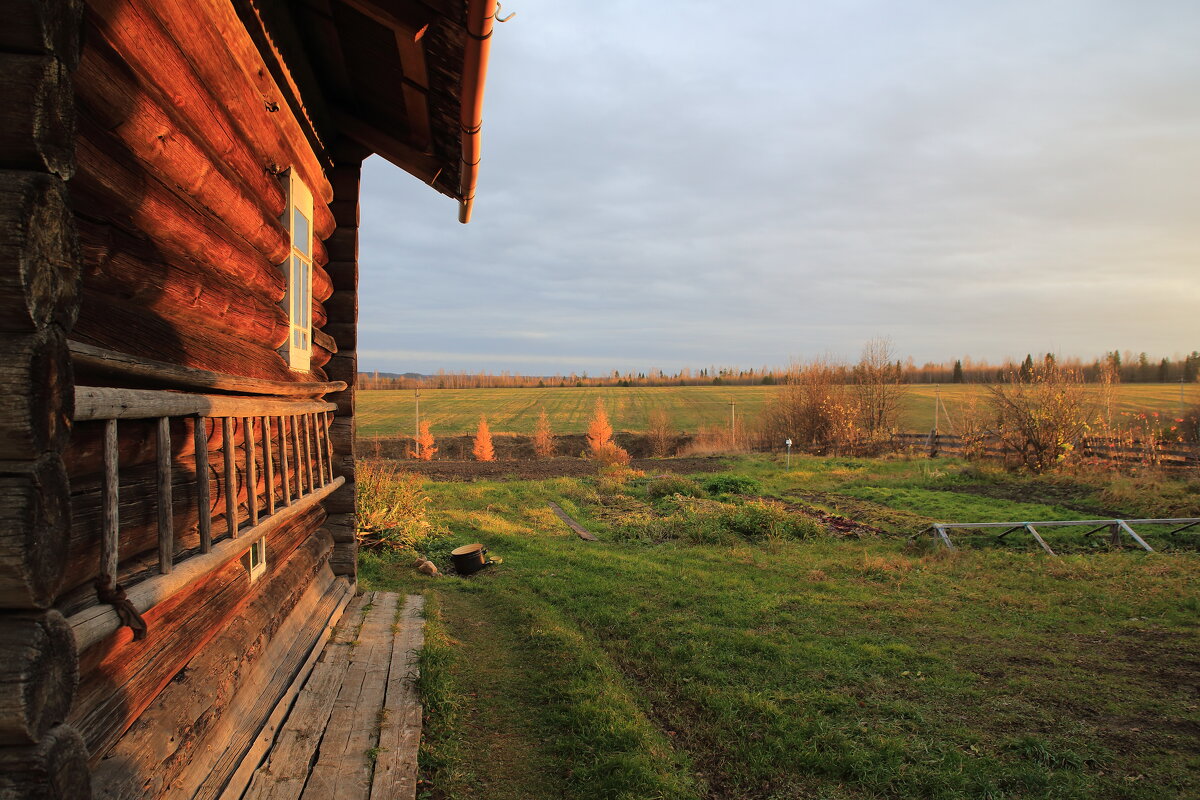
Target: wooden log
point(231, 511)
point(269, 463)
point(203, 507)
point(39, 114)
point(112, 96)
point(38, 674)
point(98, 360)
point(35, 398)
point(322, 284)
point(38, 27)
point(39, 284)
point(118, 264)
point(110, 542)
point(284, 476)
point(166, 533)
point(112, 324)
point(55, 768)
point(162, 69)
point(319, 356)
point(120, 677)
point(251, 470)
point(191, 737)
point(115, 187)
point(295, 424)
point(95, 402)
point(342, 306)
point(34, 530)
point(309, 455)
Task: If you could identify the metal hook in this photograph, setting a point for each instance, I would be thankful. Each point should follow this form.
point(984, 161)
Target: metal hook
point(503, 19)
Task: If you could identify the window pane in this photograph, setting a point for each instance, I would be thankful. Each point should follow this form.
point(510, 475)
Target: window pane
point(306, 296)
point(300, 234)
point(297, 290)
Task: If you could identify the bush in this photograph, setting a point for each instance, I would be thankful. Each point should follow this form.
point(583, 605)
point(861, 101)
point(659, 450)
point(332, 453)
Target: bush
point(731, 483)
point(766, 520)
point(611, 455)
point(392, 511)
point(670, 485)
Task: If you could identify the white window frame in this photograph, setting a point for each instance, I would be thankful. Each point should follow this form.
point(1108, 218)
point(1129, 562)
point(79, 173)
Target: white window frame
point(255, 560)
point(297, 351)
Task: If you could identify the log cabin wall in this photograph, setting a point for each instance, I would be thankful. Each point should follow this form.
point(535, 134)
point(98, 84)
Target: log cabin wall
point(40, 755)
point(181, 134)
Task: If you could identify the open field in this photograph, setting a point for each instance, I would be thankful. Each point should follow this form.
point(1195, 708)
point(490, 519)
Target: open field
point(450, 411)
point(726, 646)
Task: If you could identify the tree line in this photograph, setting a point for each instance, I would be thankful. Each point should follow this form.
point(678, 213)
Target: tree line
point(1124, 366)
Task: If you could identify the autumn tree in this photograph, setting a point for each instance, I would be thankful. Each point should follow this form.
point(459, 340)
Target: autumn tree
point(543, 437)
point(599, 432)
point(660, 433)
point(425, 447)
point(878, 388)
point(483, 450)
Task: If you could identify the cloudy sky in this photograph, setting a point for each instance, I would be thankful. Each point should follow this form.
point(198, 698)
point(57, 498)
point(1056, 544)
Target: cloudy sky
point(670, 184)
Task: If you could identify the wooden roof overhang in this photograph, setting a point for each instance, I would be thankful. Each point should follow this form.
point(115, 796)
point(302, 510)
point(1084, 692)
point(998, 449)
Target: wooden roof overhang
point(401, 78)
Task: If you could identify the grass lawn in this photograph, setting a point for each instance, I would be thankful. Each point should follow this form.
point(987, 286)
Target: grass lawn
point(718, 643)
point(452, 411)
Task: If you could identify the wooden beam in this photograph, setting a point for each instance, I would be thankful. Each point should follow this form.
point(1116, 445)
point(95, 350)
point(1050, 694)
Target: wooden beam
point(203, 502)
point(404, 155)
point(98, 622)
point(111, 362)
point(166, 532)
point(411, 28)
point(94, 402)
point(231, 504)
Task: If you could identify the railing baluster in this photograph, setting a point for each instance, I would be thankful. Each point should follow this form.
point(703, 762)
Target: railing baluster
point(231, 503)
point(110, 544)
point(299, 457)
point(203, 501)
point(316, 433)
point(328, 441)
point(308, 455)
point(283, 462)
point(251, 468)
point(268, 465)
point(166, 533)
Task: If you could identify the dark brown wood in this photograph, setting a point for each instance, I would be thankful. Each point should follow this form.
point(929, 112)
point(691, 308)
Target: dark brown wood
point(34, 520)
point(408, 158)
point(251, 469)
point(110, 542)
point(284, 474)
point(269, 463)
point(115, 187)
point(36, 403)
point(120, 677)
point(295, 423)
point(39, 114)
point(160, 66)
point(309, 456)
point(55, 768)
point(103, 361)
point(38, 674)
point(181, 290)
point(169, 151)
point(166, 533)
point(221, 52)
point(38, 27)
point(231, 515)
point(203, 507)
point(39, 284)
point(325, 341)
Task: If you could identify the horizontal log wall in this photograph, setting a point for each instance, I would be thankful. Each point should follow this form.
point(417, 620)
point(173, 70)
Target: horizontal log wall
point(120, 677)
point(177, 201)
point(40, 757)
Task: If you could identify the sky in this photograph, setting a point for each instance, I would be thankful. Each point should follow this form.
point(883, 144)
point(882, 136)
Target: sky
point(670, 184)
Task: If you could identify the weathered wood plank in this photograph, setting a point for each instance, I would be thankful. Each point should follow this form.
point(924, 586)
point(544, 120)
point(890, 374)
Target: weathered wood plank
point(583, 532)
point(342, 769)
point(268, 464)
point(395, 776)
point(285, 772)
point(251, 470)
point(95, 402)
point(203, 502)
point(110, 546)
point(283, 461)
point(166, 531)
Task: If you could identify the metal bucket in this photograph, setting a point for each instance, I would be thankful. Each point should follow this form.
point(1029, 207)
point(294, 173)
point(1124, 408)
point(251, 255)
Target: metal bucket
point(468, 559)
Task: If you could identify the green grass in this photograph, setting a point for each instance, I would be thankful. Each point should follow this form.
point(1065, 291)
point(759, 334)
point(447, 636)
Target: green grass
point(455, 411)
point(803, 665)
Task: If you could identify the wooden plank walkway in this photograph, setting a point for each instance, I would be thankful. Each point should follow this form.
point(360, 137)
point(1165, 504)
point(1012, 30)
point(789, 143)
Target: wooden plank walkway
point(355, 726)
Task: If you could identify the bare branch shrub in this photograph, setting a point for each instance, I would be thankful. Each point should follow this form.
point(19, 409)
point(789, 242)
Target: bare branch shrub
point(1044, 417)
point(660, 434)
point(809, 408)
point(878, 389)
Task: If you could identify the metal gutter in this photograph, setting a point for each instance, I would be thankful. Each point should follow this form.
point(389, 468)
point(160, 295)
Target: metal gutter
point(481, 16)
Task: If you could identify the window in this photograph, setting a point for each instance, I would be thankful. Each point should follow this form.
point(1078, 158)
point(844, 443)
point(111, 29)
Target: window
point(255, 560)
point(297, 220)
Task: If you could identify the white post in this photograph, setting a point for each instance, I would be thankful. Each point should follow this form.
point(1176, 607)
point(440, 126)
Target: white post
point(789, 453)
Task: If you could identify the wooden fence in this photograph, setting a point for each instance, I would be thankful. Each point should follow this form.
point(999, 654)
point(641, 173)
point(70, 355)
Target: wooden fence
point(1163, 454)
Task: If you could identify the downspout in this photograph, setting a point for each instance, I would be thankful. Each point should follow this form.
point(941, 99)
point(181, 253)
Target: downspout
point(481, 14)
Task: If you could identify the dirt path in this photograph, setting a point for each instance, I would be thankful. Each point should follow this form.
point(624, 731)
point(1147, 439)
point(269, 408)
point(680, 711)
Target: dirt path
point(505, 760)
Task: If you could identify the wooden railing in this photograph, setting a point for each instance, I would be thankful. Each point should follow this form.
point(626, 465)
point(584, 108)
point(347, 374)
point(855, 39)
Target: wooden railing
point(294, 432)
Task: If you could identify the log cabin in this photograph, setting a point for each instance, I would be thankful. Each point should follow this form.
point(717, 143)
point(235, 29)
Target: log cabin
point(178, 302)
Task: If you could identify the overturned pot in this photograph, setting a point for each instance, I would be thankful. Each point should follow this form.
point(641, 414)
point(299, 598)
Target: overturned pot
point(468, 559)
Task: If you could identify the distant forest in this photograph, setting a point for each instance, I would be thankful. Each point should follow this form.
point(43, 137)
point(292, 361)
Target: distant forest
point(1127, 367)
